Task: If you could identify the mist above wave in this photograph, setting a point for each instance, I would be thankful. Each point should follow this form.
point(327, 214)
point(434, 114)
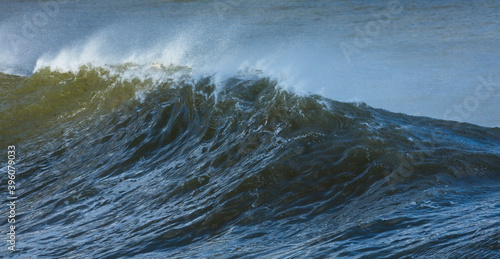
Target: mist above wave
point(409, 61)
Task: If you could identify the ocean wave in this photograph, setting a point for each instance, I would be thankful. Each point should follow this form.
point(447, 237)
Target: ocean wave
point(182, 164)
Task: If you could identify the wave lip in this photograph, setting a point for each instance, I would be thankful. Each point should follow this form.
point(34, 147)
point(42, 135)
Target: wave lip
point(199, 166)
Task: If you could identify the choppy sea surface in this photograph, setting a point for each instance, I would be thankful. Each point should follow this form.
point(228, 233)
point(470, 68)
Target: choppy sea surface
point(251, 129)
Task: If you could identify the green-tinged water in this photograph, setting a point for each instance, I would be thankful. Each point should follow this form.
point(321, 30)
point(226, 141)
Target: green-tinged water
point(250, 129)
point(173, 166)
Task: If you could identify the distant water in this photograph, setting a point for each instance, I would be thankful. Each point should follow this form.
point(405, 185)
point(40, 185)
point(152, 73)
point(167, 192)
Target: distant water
point(429, 58)
point(249, 129)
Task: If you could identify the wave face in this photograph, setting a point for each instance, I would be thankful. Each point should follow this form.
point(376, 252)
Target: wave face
point(176, 166)
point(427, 58)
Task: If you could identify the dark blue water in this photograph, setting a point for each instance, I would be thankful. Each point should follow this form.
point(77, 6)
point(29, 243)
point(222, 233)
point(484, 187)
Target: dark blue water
point(200, 129)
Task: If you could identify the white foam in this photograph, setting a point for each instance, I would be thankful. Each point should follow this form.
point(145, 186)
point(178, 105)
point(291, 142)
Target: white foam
point(412, 71)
